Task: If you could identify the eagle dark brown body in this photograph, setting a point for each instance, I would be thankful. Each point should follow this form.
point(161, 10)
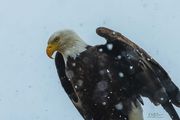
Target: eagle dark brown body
point(106, 82)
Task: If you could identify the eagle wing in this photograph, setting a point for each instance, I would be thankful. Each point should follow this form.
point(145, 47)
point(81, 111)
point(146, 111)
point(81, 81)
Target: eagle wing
point(150, 79)
point(60, 66)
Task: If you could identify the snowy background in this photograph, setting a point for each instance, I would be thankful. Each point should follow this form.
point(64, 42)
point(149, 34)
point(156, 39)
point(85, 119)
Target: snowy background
point(29, 85)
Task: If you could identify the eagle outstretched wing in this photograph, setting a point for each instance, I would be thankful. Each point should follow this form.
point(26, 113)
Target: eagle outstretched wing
point(150, 79)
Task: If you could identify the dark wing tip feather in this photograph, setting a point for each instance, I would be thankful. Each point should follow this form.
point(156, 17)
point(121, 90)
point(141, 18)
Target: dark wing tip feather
point(108, 33)
point(103, 31)
point(111, 35)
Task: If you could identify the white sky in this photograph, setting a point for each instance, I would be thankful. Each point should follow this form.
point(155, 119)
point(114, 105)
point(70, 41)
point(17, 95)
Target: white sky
point(29, 86)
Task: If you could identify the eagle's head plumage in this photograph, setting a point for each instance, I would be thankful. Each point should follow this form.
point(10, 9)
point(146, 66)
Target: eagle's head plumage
point(66, 42)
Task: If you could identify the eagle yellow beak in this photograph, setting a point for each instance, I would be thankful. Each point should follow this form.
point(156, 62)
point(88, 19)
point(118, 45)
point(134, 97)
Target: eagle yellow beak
point(51, 48)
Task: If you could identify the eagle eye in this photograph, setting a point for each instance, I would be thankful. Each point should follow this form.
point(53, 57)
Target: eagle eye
point(56, 39)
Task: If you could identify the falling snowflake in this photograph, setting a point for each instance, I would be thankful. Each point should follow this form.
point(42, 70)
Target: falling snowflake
point(119, 57)
point(86, 59)
point(75, 86)
point(119, 106)
point(102, 85)
point(128, 56)
point(131, 67)
point(113, 33)
point(79, 83)
point(148, 59)
point(70, 74)
point(102, 72)
point(100, 50)
point(73, 64)
point(109, 46)
point(121, 74)
point(80, 69)
point(161, 99)
point(104, 103)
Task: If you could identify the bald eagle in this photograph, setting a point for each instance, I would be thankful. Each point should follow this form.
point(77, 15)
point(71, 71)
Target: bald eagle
point(106, 82)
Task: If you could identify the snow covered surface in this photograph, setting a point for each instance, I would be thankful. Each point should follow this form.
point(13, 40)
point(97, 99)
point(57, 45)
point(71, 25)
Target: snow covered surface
point(29, 85)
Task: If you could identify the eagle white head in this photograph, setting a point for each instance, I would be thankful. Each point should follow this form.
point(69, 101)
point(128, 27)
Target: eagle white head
point(67, 42)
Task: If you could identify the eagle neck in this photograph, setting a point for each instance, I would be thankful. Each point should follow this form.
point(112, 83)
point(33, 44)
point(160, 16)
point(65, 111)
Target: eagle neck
point(75, 50)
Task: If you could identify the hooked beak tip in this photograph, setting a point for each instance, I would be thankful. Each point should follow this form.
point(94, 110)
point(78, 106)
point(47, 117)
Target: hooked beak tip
point(50, 50)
